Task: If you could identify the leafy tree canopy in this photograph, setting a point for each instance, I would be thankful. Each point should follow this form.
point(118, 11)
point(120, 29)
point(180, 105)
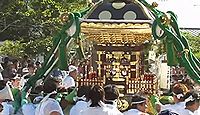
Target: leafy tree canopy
point(32, 22)
point(194, 42)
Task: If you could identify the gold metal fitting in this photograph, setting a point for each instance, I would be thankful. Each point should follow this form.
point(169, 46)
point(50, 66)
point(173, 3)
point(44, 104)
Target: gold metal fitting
point(166, 19)
point(154, 4)
point(64, 17)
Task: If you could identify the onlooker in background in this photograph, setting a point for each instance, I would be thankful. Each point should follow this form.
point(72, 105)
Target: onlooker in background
point(138, 106)
point(38, 64)
point(69, 81)
point(9, 72)
point(6, 60)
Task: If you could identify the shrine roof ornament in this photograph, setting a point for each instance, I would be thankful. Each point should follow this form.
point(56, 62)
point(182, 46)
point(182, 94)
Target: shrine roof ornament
point(119, 10)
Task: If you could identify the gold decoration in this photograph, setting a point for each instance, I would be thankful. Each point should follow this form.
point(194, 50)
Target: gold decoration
point(154, 4)
point(64, 17)
point(117, 33)
point(166, 19)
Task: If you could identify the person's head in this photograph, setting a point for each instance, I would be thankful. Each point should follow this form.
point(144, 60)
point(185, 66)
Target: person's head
point(50, 85)
point(111, 93)
point(179, 90)
point(35, 92)
point(73, 71)
point(138, 102)
point(38, 64)
point(83, 93)
point(96, 95)
point(6, 59)
point(57, 74)
point(16, 81)
point(192, 101)
point(31, 68)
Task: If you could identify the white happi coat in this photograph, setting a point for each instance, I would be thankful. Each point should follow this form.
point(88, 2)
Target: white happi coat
point(197, 112)
point(100, 110)
point(76, 109)
point(176, 108)
point(48, 106)
point(7, 109)
point(69, 82)
point(29, 109)
point(134, 112)
point(114, 108)
point(187, 112)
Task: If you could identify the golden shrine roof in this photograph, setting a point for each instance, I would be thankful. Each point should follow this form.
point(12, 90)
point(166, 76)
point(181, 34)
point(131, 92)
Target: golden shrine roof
point(117, 33)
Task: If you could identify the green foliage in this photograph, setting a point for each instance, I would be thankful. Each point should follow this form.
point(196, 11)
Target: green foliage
point(33, 23)
point(13, 49)
point(194, 42)
point(19, 48)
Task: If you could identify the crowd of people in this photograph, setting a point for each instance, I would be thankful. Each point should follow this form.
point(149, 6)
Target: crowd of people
point(58, 94)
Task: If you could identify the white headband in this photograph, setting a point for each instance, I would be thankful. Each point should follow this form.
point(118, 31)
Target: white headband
point(189, 99)
point(178, 95)
point(138, 102)
point(79, 98)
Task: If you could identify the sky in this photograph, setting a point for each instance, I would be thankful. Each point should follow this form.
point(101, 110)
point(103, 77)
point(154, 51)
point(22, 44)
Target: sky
point(188, 11)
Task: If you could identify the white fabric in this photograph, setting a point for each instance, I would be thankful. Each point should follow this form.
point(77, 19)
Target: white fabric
point(6, 92)
point(177, 107)
point(114, 108)
point(7, 109)
point(102, 110)
point(28, 109)
point(1, 69)
point(47, 107)
point(68, 82)
point(1, 77)
point(23, 80)
point(197, 112)
point(98, 111)
point(187, 112)
point(134, 112)
point(72, 68)
point(76, 109)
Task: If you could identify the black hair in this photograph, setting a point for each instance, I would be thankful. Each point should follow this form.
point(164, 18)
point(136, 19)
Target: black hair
point(50, 85)
point(167, 112)
point(96, 95)
point(31, 65)
point(36, 91)
point(83, 90)
point(111, 92)
point(2, 84)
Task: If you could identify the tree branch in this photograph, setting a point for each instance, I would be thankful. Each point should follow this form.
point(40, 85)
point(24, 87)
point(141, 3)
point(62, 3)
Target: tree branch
point(6, 27)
